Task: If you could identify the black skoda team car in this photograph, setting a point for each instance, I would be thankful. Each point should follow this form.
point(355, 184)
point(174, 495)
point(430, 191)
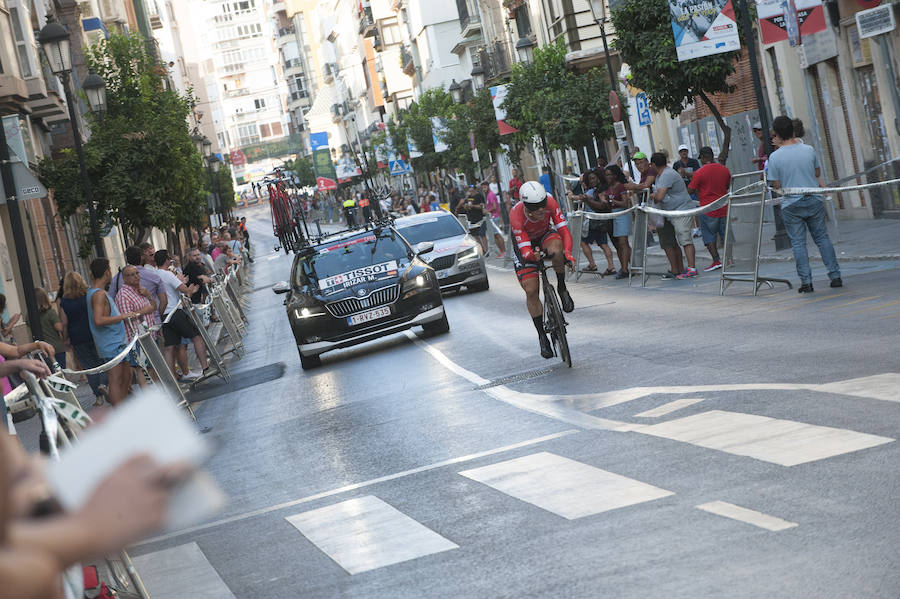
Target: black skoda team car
point(357, 286)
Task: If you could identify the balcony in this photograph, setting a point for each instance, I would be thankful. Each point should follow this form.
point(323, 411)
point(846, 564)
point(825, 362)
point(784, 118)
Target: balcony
point(237, 93)
point(285, 35)
point(279, 7)
point(234, 68)
point(298, 99)
point(495, 60)
point(292, 66)
point(366, 22)
point(407, 64)
point(469, 18)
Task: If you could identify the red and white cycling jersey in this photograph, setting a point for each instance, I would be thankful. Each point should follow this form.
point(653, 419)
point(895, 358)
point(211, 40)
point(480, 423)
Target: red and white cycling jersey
point(525, 231)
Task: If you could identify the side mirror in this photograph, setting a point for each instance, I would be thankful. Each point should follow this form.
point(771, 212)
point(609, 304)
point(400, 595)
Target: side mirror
point(281, 287)
point(424, 247)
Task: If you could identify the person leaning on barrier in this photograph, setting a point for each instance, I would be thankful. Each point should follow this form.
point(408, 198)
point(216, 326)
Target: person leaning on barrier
point(135, 298)
point(197, 274)
point(11, 362)
point(74, 305)
point(795, 164)
point(671, 194)
point(108, 329)
point(180, 324)
point(710, 183)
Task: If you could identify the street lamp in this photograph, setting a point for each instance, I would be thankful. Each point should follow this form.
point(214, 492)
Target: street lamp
point(214, 165)
point(455, 90)
point(54, 40)
point(95, 89)
point(525, 49)
point(478, 76)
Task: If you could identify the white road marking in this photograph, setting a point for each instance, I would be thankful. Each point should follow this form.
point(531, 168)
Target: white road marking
point(167, 574)
point(783, 442)
point(742, 514)
point(564, 487)
point(367, 533)
point(355, 486)
point(551, 406)
point(669, 407)
point(274, 257)
point(500, 268)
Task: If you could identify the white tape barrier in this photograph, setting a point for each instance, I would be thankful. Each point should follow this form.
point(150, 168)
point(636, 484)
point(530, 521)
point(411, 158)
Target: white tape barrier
point(796, 191)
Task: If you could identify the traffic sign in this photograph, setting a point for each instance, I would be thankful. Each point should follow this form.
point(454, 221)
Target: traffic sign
point(643, 109)
point(27, 185)
point(614, 107)
point(399, 167)
point(619, 128)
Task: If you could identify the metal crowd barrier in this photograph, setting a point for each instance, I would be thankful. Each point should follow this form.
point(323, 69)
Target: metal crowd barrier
point(217, 366)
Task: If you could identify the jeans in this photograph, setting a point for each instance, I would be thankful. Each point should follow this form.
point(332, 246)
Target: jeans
point(86, 354)
point(809, 213)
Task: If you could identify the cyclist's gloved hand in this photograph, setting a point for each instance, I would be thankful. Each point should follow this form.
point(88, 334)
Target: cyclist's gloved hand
point(569, 257)
point(528, 255)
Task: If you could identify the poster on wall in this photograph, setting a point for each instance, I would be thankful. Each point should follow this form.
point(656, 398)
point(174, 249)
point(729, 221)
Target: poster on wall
point(326, 177)
point(702, 28)
point(777, 22)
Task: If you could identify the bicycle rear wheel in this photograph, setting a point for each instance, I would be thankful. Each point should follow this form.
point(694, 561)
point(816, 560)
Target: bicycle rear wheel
point(555, 323)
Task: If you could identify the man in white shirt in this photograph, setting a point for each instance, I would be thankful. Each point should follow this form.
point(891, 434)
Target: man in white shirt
point(180, 324)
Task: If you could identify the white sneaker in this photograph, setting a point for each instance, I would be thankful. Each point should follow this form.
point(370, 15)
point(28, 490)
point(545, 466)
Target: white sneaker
point(192, 375)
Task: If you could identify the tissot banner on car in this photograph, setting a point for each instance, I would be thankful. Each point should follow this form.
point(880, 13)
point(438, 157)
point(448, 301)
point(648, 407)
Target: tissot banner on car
point(326, 177)
point(774, 26)
point(365, 274)
point(703, 27)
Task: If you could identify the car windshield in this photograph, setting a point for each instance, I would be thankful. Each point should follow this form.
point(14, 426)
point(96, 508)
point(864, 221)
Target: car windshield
point(346, 262)
point(430, 229)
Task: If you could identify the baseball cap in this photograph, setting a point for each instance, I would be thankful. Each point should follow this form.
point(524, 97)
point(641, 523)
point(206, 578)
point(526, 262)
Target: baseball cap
point(706, 151)
point(639, 156)
point(757, 125)
point(683, 147)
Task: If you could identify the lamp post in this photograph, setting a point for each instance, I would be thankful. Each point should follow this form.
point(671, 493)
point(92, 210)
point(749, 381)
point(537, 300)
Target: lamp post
point(525, 49)
point(478, 77)
point(54, 39)
point(215, 164)
point(455, 90)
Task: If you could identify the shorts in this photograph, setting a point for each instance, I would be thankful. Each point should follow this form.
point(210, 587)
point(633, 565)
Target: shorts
point(596, 234)
point(682, 226)
point(118, 351)
point(529, 270)
point(180, 326)
point(666, 235)
point(622, 225)
point(489, 222)
point(477, 229)
point(712, 228)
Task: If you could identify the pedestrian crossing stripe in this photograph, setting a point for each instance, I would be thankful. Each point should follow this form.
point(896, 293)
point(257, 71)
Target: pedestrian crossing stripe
point(181, 571)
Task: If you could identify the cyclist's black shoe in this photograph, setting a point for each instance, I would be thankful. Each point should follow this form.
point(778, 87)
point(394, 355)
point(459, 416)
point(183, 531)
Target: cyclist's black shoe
point(546, 348)
point(567, 304)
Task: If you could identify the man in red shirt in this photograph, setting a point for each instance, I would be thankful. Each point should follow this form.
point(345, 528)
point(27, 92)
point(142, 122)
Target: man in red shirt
point(710, 183)
point(537, 225)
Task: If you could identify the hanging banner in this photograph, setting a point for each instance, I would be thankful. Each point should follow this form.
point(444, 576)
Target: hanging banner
point(326, 177)
point(413, 149)
point(703, 28)
point(498, 96)
point(346, 168)
point(776, 27)
point(381, 158)
point(438, 132)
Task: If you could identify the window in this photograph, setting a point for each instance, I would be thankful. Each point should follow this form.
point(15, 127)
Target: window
point(260, 104)
point(264, 131)
point(249, 30)
point(22, 43)
point(523, 23)
point(248, 134)
point(390, 34)
point(276, 129)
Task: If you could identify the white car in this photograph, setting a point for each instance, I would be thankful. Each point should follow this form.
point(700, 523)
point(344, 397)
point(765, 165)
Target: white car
point(457, 257)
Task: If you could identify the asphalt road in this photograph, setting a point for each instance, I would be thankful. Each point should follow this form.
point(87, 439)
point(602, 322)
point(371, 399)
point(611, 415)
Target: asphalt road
point(701, 446)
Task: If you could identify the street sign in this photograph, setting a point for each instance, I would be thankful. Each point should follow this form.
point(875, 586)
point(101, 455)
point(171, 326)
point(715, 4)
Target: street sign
point(619, 128)
point(27, 185)
point(643, 109)
point(614, 108)
point(875, 21)
point(399, 167)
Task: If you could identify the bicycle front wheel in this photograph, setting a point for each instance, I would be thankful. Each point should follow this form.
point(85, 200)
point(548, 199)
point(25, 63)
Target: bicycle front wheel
point(555, 323)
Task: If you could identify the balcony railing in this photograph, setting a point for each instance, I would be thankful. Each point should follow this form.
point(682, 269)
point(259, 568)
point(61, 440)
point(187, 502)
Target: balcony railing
point(495, 60)
point(298, 95)
point(366, 22)
point(292, 63)
point(406, 61)
point(286, 31)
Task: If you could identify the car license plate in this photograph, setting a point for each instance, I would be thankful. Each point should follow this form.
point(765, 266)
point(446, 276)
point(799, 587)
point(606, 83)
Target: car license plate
point(369, 316)
point(442, 274)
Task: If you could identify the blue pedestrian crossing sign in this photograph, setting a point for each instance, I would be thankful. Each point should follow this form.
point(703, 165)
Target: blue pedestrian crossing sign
point(399, 167)
point(643, 109)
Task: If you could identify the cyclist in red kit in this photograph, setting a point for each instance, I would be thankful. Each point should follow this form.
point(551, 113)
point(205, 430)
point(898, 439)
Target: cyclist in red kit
point(537, 225)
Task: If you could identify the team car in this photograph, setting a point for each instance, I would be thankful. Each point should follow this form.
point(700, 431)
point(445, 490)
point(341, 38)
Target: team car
point(357, 286)
point(457, 258)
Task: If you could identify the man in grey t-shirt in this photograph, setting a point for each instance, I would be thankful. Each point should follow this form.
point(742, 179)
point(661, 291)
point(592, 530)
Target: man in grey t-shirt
point(794, 164)
point(671, 194)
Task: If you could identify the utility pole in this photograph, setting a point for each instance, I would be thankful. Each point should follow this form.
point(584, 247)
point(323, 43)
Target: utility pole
point(15, 217)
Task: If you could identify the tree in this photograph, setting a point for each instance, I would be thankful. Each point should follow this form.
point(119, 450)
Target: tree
point(644, 37)
point(564, 109)
point(303, 167)
point(144, 169)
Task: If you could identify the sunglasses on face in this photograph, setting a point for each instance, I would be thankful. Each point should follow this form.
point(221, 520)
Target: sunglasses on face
point(535, 209)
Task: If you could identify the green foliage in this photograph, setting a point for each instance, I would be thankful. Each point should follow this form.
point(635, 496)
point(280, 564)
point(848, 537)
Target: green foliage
point(144, 168)
point(303, 167)
point(547, 100)
point(644, 37)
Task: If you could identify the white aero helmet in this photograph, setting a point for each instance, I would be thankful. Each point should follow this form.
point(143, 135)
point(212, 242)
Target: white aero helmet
point(533, 195)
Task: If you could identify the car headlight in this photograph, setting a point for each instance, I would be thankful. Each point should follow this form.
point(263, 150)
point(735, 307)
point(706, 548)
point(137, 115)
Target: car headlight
point(304, 313)
point(467, 255)
point(415, 283)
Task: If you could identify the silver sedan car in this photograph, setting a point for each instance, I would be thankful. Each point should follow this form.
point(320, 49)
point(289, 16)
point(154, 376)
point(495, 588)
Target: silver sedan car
point(457, 258)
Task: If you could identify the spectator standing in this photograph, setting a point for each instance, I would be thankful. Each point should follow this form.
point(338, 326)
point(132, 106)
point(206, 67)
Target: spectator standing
point(671, 194)
point(710, 183)
point(197, 274)
point(492, 206)
point(545, 180)
point(685, 165)
point(108, 330)
point(74, 306)
point(473, 207)
point(149, 277)
point(6, 326)
point(595, 200)
point(620, 200)
point(245, 232)
point(761, 157)
point(135, 298)
point(796, 165)
point(52, 327)
point(514, 184)
point(648, 173)
point(179, 325)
